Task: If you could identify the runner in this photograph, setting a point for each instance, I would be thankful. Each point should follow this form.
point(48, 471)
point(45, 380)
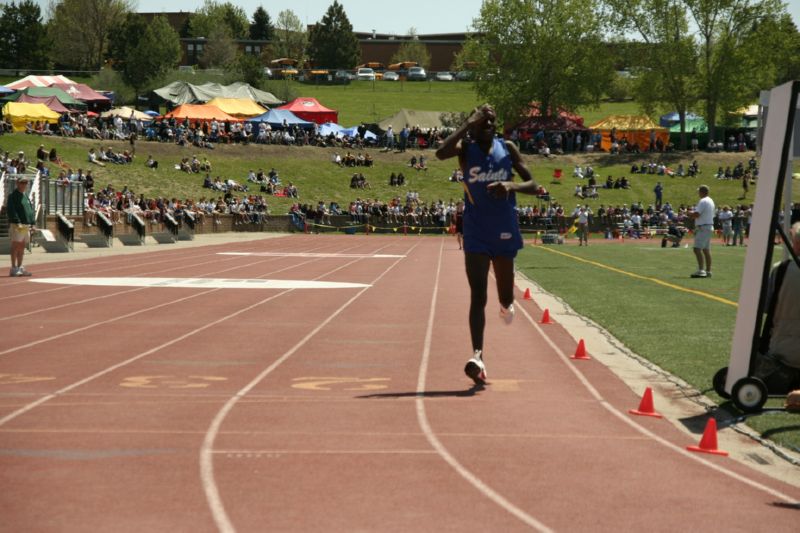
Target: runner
point(491, 229)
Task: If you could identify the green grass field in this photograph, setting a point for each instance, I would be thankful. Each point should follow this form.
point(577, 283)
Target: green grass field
point(689, 334)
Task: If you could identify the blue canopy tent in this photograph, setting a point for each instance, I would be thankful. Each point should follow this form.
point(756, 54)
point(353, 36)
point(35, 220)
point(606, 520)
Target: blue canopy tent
point(330, 127)
point(670, 119)
point(353, 131)
point(277, 117)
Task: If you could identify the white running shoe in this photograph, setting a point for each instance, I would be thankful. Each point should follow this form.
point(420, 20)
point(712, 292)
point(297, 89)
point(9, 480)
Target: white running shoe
point(21, 272)
point(507, 313)
point(700, 274)
point(475, 369)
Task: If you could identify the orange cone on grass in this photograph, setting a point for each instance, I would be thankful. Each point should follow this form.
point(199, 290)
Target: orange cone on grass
point(546, 317)
point(646, 405)
point(708, 443)
point(527, 295)
point(580, 352)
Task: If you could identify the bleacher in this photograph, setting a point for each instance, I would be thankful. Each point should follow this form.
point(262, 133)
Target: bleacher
point(105, 237)
point(137, 237)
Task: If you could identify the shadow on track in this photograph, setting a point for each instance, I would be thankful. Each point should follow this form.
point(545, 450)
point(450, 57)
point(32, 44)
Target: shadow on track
point(472, 391)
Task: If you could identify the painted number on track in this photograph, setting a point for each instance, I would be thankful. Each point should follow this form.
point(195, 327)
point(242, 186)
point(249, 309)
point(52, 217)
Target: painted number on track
point(15, 379)
point(170, 382)
point(341, 383)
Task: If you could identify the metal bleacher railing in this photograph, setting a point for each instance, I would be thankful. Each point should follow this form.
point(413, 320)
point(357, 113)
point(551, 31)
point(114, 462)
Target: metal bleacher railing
point(65, 199)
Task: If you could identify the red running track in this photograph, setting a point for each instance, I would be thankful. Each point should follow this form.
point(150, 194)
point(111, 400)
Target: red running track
point(197, 409)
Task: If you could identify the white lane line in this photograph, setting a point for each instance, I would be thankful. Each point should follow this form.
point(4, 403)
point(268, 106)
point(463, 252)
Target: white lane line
point(202, 283)
point(117, 318)
point(133, 313)
point(213, 497)
point(422, 418)
point(312, 254)
point(628, 420)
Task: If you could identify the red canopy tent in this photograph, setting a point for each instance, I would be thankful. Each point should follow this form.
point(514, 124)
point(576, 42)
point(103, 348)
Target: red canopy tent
point(310, 109)
point(50, 101)
point(38, 81)
point(94, 100)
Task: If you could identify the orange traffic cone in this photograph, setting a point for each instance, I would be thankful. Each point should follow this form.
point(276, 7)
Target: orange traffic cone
point(527, 295)
point(646, 405)
point(708, 444)
point(580, 352)
point(546, 317)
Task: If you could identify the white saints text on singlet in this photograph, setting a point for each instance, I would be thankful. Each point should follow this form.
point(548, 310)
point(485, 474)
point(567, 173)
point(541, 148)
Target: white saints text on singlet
point(475, 175)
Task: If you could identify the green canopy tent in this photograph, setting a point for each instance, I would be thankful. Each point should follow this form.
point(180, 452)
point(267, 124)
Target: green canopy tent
point(697, 124)
point(47, 92)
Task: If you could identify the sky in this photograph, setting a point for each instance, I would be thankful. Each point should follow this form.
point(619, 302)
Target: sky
point(393, 17)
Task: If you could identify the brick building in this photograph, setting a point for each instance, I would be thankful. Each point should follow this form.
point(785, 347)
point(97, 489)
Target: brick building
point(378, 47)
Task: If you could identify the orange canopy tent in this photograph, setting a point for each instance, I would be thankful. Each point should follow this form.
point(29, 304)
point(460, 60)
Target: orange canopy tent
point(636, 129)
point(202, 113)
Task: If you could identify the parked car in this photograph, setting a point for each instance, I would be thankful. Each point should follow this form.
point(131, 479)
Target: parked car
point(416, 74)
point(343, 75)
point(365, 74)
point(465, 75)
point(443, 76)
point(391, 75)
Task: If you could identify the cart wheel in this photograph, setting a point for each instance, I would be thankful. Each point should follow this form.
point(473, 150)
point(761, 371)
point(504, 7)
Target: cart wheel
point(719, 383)
point(749, 394)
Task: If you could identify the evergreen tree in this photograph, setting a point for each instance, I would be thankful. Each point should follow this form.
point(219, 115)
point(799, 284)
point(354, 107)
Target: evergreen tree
point(331, 42)
point(23, 37)
point(261, 27)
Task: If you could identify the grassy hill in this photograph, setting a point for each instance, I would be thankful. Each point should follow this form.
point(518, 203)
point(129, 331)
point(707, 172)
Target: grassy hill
point(317, 178)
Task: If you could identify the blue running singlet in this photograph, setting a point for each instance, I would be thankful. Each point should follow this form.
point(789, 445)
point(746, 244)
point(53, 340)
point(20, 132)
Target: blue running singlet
point(490, 223)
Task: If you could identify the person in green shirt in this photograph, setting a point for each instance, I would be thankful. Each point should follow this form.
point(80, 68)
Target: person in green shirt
point(21, 220)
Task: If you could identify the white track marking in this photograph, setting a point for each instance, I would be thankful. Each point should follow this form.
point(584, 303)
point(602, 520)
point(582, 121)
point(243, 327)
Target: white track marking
point(134, 313)
point(627, 419)
point(312, 254)
point(202, 283)
point(422, 418)
point(213, 497)
point(113, 294)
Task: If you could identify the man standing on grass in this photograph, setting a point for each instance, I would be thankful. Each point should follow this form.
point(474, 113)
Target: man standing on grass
point(21, 220)
point(703, 216)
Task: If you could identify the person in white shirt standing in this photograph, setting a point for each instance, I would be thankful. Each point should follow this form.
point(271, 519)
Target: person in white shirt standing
point(703, 230)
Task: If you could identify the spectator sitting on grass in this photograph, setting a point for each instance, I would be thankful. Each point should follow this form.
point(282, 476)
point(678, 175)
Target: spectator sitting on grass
point(93, 158)
point(151, 163)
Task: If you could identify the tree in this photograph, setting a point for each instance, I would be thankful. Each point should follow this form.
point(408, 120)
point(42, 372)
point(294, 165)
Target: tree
point(261, 28)
point(290, 38)
point(331, 42)
point(543, 51)
point(729, 73)
point(23, 37)
point(156, 51)
point(215, 16)
point(668, 67)
point(80, 30)
point(248, 68)
point(412, 50)
point(775, 44)
point(219, 51)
